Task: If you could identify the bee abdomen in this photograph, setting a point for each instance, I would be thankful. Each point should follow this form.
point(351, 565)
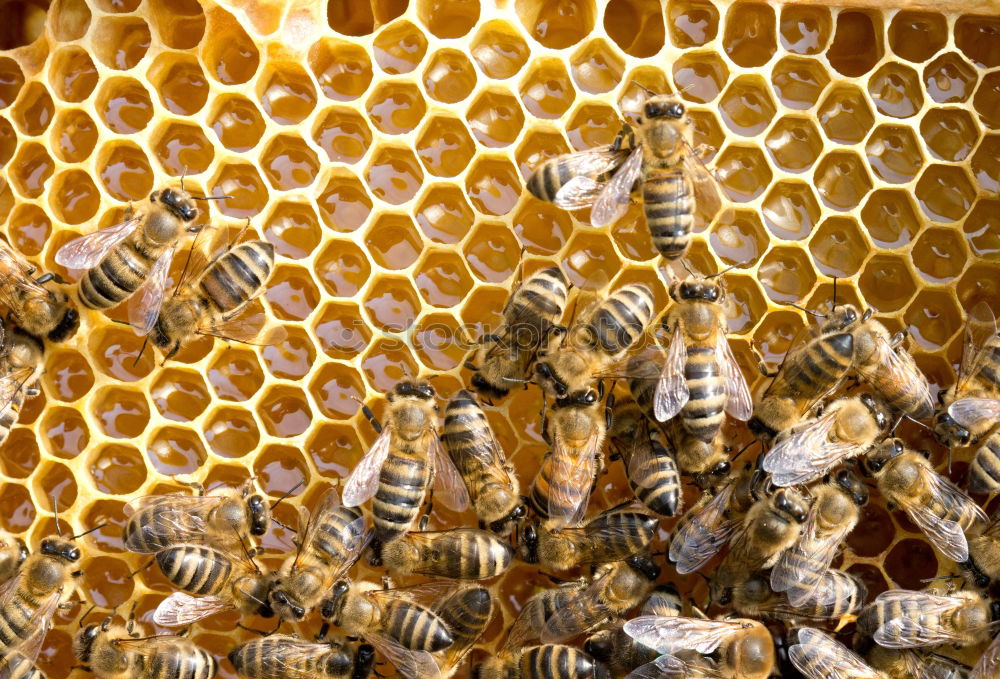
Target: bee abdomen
point(469, 554)
point(823, 362)
point(339, 527)
point(622, 318)
point(401, 489)
point(703, 415)
point(466, 613)
point(669, 208)
point(555, 661)
point(545, 182)
point(238, 275)
point(984, 474)
point(543, 296)
point(416, 627)
point(122, 271)
point(15, 665)
point(657, 483)
point(195, 569)
point(182, 663)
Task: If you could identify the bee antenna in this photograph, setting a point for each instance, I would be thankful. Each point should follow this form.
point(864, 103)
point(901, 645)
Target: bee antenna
point(644, 88)
point(941, 577)
point(728, 269)
point(89, 531)
point(287, 493)
point(811, 312)
point(745, 448)
point(892, 432)
point(183, 174)
point(688, 268)
point(211, 197)
point(283, 525)
point(834, 294)
point(145, 341)
point(514, 379)
point(85, 614)
point(55, 513)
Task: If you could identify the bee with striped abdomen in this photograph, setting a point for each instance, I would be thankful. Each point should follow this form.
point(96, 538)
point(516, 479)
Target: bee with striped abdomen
point(613, 535)
point(405, 458)
point(901, 663)
point(817, 656)
point(467, 612)
point(283, 656)
point(983, 565)
point(22, 362)
point(837, 594)
point(37, 310)
point(13, 552)
point(900, 618)
point(561, 180)
point(648, 458)
point(457, 553)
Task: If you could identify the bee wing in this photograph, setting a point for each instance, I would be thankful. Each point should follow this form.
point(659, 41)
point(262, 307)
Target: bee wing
point(898, 367)
point(178, 518)
point(614, 197)
point(424, 594)
point(664, 667)
point(181, 609)
point(948, 536)
point(363, 481)
point(739, 403)
point(970, 412)
point(17, 277)
point(10, 385)
point(247, 325)
point(448, 482)
point(702, 536)
point(409, 663)
point(583, 189)
point(670, 634)
point(818, 656)
point(31, 645)
point(672, 389)
point(580, 614)
point(806, 453)
point(294, 658)
point(86, 252)
point(802, 338)
point(640, 459)
point(989, 662)
point(909, 633)
point(980, 328)
point(572, 477)
point(707, 197)
point(936, 667)
point(144, 305)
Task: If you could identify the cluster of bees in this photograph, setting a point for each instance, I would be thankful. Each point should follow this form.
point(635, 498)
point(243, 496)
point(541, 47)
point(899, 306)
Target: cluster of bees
point(772, 529)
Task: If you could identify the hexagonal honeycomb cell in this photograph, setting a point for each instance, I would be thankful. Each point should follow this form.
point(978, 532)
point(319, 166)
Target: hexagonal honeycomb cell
point(382, 147)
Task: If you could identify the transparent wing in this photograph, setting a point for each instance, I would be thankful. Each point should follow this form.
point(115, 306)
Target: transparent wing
point(672, 389)
point(664, 667)
point(670, 634)
point(781, 384)
point(448, 482)
point(640, 460)
point(980, 329)
point(935, 667)
point(86, 252)
point(16, 280)
point(971, 412)
point(707, 197)
point(572, 476)
point(181, 609)
point(410, 664)
point(363, 482)
point(144, 305)
point(11, 385)
point(295, 658)
point(31, 645)
point(806, 453)
point(248, 325)
point(579, 192)
point(948, 536)
point(353, 536)
point(799, 581)
point(703, 535)
point(614, 198)
point(175, 519)
point(818, 656)
point(580, 614)
point(989, 663)
point(910, 633)
point(739, 403)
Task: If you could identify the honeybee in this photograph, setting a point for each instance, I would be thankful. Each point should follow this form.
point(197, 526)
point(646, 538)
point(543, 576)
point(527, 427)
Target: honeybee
point(13, 552)
point(939, 508)
point(215, 302)
point(34, 308)
point(114, 651)
point(897, 663)
point(458, 553)
point(701, 379)
point(836, 595)
point(541, 606)
point(846, 428)
point(221, 583)
point(739, 647)
point(557, 180)
point(834, 513)
point(21, 364)
point(613, 535)
point(548, 661)
point(648, 458)
point(401, 463)
point(466, 612)
point(818, 656)
point(490, 480)
point(15, 664)
point(704, 530)
point(604, 331)
point(772, 525)
point(283, 656)
point(132, 257)
point(707, 462)
point(882, 362)
point(984, 555)
point(900, 618)
point(531, 311)
point(328, 546)
point(220, 519)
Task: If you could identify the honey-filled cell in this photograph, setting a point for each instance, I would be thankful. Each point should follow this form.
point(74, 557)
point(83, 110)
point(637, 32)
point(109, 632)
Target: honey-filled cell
point(289, 163)
point(442, 279)
point(121, 42)
point(341, 331)
point(29, 228)
point(231, 432)
point(798, 82)
point(286, 93)
point(291, 358)
point(183, 149)
point(231, 61)
point(117, 469)
point(336, 388)
point(894, 154)
point(342, 69)
point(392, 304)
point(285, 413)
point(73, 75)
point(175, 450)
point(11, 81)
point(64, 432)
point(492, 252)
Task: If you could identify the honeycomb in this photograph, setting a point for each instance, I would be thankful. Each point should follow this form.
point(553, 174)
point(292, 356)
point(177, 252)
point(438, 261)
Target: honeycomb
point(382, 147)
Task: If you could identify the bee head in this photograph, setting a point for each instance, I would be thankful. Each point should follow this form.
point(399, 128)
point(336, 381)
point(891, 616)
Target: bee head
point(644, 565)
point(584, 397)
point(284, 606)
point(527, 544)
point(878, 414)
point(518, 513)
point(67, 326)
point(180, 205)
point(853, 486)
point(544, 371)
point(878, 458)
point(703, 289)
point(260, 514)
point(414, 389)
point(83, 642)
point(663, 106)
point(364, 661)
point(843, 316)
point(787, 503)
point(60, 548)
point(949, 432)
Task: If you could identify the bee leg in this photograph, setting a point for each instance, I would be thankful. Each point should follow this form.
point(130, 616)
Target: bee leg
point(375, 556)
point(31, 391)
point(322, 631)
point(199, 490)
point(470, 365)
point(762, 366)
point(422, 524)
point(386, 583)
point(130, 623)
point(370, 416)
point(897, 339)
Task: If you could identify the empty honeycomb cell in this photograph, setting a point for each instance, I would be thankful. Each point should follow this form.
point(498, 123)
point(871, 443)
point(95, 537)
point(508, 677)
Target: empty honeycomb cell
point(790, 210)
point(448, 18)
point(54, 481)
point(495, 118)
point(246, 194)
point(342, 268)
point(985, 164)
point(344, 135)
point(286, 93)
point(341, 331)
point(333, 448)
point(739, 238)
point(122, 413)
point(743, 172)
point(559, 24)
point(890, 218)
point(120, 42)
point(894, 154)
point(180, 25)
point(116, 469)
point(838, 247)
point(493, 186)
point(394, 175)
point(795, 143)
point(805, 29)
point(444, 215)
point(933, 318)
point(917, 36)
point(399, 47)
point(20, 453)
point(337, 389)
point(910, 563)
point(386, 362)
point(67, 376)
point(492, 252)
point(231, 432)
point(542, 228)
point(895, 90)
point(292, 358)
point(597, 67)
point(231, 61)
point(592, 262)
point(546, 90)
point(798, 82)
point(692, 23)
point(72, 75)
point(749, 38)
point(635, 26)
point(950, 134)
point(442, 279)
point(289, 163)
point(393, 241)
point(982, 228)
point(977, 284)
point(293, 229)
point(30, 169)
point(746, 106)
point(235, 375)
point(173, 450)
point(745, 305)
point(125, 172)
point(180, 395)
point(180, 83)
point(291, 293)
point(11, 81)
point(700, 76)
point(284, 412)
point(436, 339)
point(342, 69)
point(278, 470)
point(396, 108)
point(29, 228)
point(8, 141)
point(17, 511)
point(182, 149)
point(857, 43)
point(499, 49)
point(110, 515)
point(842, 180)
point(945, 193)
point(343, 204)
point(976, 36)
point(392, 304)
point(845, 115)
point(786, 274)
point(887, 283)
point(124, 105)
point(236, 122)
point(940, 254)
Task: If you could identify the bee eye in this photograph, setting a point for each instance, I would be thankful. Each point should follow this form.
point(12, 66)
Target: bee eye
point(675, 110)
